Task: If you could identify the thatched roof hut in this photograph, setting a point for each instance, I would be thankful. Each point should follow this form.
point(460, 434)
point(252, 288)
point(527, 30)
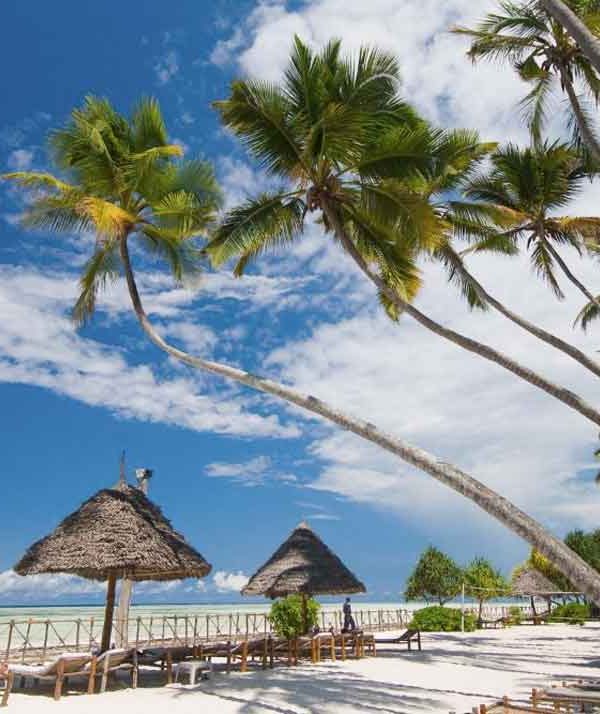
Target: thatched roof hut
point(118, 530)
point(532, 583)
point(303, 564)
point(117, 533)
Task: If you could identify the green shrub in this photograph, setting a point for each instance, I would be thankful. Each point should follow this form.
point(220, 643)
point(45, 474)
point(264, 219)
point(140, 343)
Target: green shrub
point(573, 613)
point(515, 615)
point(286, 616)
point(442, 619)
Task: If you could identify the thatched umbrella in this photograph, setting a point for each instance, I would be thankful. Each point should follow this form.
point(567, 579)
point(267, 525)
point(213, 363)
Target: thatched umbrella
point(303, 564)
point(117, 533)
point(531, 583)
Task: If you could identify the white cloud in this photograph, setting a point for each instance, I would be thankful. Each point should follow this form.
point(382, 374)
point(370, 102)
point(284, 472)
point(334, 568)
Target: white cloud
point(401, 377)
point(167, 67)
point(20, 159)
point(229, 582)
point(39, 346)
point(437, 76)
point(255, 472)
point(45, 586)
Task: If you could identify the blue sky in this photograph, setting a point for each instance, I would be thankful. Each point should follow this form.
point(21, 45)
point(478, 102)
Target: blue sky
point(233, 470)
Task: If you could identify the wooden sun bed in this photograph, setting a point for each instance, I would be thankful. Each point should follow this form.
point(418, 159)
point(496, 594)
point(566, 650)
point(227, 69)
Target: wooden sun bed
point(66, 665)
point(508, 707)
point(493, 624)
point(79, 664)
point(406, 637)
point(566, 697)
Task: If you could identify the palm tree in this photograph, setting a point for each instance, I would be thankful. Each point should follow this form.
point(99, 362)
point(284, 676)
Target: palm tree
point(543, 54)
point(485, 224)
point(478, 297)
point(126, 184)
point(344, 145)
point(529, 186)
point(568, 17)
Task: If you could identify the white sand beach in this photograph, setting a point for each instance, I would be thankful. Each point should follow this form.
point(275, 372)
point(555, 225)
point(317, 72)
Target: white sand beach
point(454, 672)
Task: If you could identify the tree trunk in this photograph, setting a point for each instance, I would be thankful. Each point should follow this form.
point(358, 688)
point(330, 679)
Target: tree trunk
point(567, 271)
point(567, 561)
point(557, 391)
point(534, 330)
point(589, 44)
point(111, 586)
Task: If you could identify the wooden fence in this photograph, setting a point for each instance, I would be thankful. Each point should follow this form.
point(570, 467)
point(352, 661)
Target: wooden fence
point(34, 640)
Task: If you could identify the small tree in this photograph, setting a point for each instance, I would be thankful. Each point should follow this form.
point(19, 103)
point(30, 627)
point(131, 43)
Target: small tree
point(483, 582)
point(287, 616)
point(435, 577)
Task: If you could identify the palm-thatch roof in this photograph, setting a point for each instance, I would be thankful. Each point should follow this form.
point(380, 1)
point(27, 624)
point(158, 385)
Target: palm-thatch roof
point(118, 531)
point(303, 564)
point(531, 582)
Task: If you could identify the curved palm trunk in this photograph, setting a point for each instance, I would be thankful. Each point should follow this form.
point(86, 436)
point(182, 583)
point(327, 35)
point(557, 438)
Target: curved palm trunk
point(534, 330)
point(589, 139)
point(566, 396)
point(568, 562)
point(589, 44)
point(567, 271)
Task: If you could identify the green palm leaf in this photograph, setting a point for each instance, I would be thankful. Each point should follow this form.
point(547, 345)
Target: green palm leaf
point(259, 224)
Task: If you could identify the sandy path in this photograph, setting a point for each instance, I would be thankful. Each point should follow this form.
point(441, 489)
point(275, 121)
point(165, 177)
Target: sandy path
point(453, 673)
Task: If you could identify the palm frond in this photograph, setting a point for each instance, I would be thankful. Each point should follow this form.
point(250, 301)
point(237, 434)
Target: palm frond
point(36, 179)
point(379, 243)
point(259, 114)
point(102, 267)
point(459, 276)
point(262, 223)
point(110, 221)
point(183, 214)
point(412, 214)
point(400, 153)
point(534, 105)
point(587, 314)
point(182, 256)
point(148, 126)
point(543, 264)
point(57, 213)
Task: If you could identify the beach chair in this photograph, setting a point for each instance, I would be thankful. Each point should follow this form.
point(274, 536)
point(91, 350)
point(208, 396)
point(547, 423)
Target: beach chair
point(566, 697)
point(408, 637)
point(492, 624)
point(6, 680)
point(508, 707)
point(66, 665)
point(164, 658)
point(109, 662)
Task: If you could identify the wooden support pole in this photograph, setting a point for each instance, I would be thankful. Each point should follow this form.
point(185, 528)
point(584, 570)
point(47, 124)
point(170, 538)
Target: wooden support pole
point(60, 675)
point(244, 667)
point(109, 612)
point(92, 679)
point(169, 667)
point(104, 680)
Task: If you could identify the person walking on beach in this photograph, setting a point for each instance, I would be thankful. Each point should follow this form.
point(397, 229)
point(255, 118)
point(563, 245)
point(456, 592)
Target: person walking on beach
point(349, 623)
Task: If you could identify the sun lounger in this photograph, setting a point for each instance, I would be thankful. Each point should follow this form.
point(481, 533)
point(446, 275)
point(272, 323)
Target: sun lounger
point(6, 680)
point(67, 665)
point(164, 658)
point(111, 661)
point(566, 696)
point(492, 624)
point(407, 637)
point(508, 707)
